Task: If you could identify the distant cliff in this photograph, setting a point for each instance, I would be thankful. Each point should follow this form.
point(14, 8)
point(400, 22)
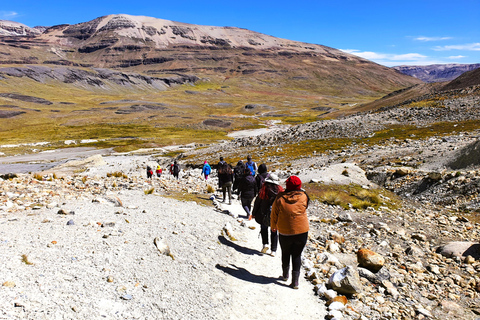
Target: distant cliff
point(437, 72)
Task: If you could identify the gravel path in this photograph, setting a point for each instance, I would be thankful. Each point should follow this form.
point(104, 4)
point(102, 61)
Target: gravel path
point(106, 265)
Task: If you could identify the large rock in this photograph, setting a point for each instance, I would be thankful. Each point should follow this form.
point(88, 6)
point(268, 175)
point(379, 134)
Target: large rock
point(345, 281)
point(460, 249)
point(370, 260)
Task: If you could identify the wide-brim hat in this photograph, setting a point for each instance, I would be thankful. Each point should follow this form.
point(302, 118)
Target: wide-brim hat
point(273, 178)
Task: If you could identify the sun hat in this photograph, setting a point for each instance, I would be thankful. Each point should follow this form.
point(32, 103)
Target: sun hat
point(273, 178)
point(294, 183)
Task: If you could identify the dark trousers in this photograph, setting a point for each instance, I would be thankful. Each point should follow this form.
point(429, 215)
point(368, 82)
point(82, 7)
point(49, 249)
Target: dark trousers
point(247, 205)
point(292, 247)
point(273, 237)
point(227, 188)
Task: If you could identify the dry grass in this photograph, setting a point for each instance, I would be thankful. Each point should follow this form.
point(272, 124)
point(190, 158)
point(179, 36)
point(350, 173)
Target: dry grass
point(149, 191)
point(25, 260)
point(352, 196)
point(117, 174)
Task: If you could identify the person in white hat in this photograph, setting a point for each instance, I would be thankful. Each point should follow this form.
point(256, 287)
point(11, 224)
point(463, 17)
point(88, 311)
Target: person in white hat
point(261, 212)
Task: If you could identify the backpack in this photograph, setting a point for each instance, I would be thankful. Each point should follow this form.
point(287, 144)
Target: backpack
point(176, 169)
point(207, 170)
point(251, 166)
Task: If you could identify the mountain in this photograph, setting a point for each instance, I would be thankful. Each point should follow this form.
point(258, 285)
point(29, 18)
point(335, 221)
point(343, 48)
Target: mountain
point(468, 79)
point(130, 77)
point(11, 28)
point(437, 72)
point(156, 46)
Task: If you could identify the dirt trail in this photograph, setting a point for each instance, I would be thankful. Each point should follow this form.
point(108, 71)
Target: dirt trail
point(254, 280)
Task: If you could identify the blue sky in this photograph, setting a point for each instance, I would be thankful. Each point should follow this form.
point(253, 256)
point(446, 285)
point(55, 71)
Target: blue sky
point(389, 32)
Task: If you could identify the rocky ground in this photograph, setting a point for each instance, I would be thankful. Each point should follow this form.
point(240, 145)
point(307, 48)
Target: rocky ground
point(419, 261)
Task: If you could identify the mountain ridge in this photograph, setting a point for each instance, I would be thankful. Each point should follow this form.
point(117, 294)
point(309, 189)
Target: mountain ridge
point(437, 72)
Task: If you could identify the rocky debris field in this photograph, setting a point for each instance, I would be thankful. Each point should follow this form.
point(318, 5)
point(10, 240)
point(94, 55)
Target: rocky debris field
point(420, 261)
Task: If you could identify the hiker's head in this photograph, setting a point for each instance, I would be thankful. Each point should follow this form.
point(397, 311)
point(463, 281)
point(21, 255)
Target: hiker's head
point(294, 183)
point(262, 168)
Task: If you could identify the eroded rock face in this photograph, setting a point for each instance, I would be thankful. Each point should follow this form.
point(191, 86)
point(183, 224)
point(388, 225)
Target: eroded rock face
point(11, 28)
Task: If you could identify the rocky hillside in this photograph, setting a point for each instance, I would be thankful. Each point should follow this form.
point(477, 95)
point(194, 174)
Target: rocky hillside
point(437, 72)
point(156, 46)
point(11, 28)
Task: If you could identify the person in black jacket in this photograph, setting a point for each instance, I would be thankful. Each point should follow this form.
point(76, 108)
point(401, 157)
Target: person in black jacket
point(225, 180)
point(262, 174)
point(247, 188)
point(238, 172)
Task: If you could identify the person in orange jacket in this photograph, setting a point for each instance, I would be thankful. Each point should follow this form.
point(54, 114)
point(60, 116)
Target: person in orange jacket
point(289, 217)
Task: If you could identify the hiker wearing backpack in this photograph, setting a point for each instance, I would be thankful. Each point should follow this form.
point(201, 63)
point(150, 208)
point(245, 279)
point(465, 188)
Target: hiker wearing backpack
point(219, 165)
point(225, 179)
point(251, 165)
point(261, 175)
point(238, 172)
point(149, 172)
point(206, 170)
point(289, 217)
point(247, 188)
point(175, 169)
point(262, 209)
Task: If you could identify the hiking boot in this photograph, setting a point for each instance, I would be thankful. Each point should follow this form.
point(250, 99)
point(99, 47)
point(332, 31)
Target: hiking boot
point(284, 276)
point(295, 276)
point(273, 253)
point(249, 217)
point(265, 248)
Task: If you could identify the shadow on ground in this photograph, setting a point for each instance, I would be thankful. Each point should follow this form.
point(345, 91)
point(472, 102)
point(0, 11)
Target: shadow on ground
point(245, 275)
point(237, 247)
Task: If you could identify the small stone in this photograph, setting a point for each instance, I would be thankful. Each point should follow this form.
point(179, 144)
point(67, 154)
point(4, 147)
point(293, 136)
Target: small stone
point(70, 223)
point(9, 284)
point(109, 279)
point(469, 259)
point(127, 297)
point(419, 236)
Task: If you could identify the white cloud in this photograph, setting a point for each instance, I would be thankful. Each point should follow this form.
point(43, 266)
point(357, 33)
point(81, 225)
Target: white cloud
point(8, 14)
point(468, 47)
point(421, 38)
point(390, 60)
point(456, 57)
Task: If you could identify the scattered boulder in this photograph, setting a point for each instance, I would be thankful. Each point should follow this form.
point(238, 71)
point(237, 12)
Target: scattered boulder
point(370, 260)
point(460, 249)
point(345, 281)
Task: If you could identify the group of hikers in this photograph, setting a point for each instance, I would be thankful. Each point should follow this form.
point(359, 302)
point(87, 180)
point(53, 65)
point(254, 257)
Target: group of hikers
point(283, 211)
point(174, 170)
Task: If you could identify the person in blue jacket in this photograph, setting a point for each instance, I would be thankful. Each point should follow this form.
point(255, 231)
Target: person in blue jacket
point(206, 170)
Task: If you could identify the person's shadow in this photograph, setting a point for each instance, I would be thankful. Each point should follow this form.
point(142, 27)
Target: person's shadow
point(237, 247)
point(245, 275)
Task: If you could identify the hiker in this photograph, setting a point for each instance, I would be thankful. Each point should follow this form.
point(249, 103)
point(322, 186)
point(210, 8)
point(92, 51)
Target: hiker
point(289, 217)
point(261, 175)
point(206, 170)
point(219, 165)
point(149, 172)
point(225, 180)
point(158, 171)
point(251, 165)
point(247, 188)
point(238, 172)
point(175, 169)
point(262, 209)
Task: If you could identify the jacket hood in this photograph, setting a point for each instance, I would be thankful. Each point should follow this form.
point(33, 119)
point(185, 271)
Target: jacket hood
point(293, 196)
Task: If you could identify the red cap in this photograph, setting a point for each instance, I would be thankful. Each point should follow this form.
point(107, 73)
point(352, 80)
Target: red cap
point(294, 183)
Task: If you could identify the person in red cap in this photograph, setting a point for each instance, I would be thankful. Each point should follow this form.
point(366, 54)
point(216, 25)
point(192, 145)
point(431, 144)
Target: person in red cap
point(289, 217)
